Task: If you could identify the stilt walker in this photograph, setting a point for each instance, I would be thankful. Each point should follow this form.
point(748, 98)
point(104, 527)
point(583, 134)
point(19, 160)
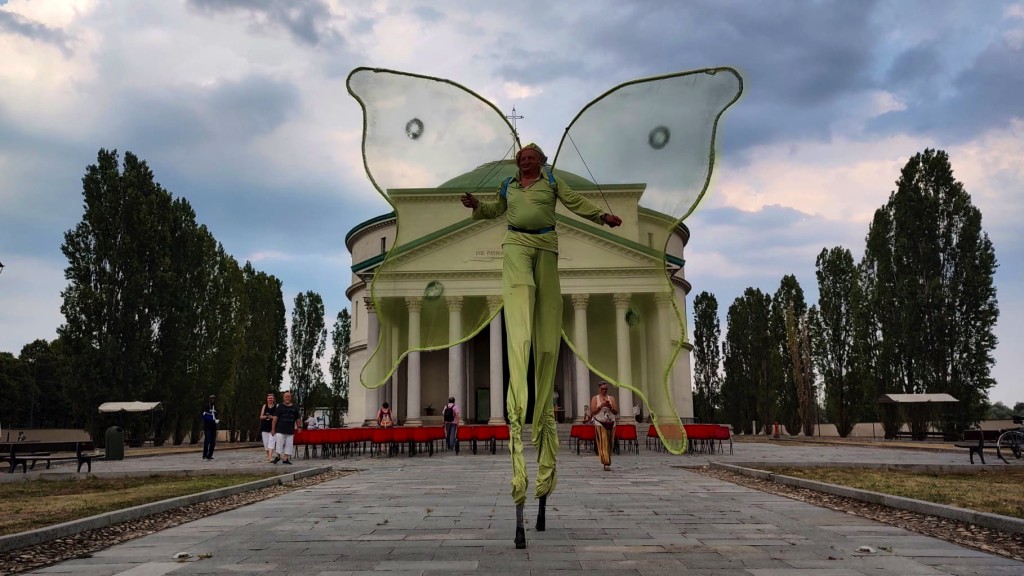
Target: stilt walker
point(533, 310)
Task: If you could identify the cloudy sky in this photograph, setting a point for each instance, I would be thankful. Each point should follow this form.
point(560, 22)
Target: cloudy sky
point(240, 106)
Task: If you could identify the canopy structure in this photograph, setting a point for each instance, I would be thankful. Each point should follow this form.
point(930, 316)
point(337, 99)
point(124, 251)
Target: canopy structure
point(136, 406)
point(919, 410)
point(914, 398)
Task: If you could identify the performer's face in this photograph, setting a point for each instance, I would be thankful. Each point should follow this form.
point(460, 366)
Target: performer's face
point(603, 390)
point(530, 160)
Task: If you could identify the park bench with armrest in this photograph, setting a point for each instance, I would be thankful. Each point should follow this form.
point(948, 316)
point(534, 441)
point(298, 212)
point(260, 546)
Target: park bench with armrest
point(24, 453)
point(976, 441)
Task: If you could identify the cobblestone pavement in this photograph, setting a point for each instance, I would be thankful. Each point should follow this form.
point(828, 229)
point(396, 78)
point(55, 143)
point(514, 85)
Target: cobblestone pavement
point(452, 515)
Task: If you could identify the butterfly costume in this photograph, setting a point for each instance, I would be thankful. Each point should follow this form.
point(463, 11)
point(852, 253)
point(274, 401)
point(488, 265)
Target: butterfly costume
point(646, 146)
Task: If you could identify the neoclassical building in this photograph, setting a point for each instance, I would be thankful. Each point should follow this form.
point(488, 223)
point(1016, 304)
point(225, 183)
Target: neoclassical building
point(606, 276)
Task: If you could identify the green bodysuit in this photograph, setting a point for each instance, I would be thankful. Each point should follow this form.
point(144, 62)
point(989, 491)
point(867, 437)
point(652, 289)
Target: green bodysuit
point(533, 312)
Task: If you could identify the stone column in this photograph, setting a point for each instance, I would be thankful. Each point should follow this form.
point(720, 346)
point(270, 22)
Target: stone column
point(665, 339)
point(372, 336)
point(623, 355)
point(412, 417)
point(579, 337)
point(456, 355)
point(396, 376)
point(496, 357)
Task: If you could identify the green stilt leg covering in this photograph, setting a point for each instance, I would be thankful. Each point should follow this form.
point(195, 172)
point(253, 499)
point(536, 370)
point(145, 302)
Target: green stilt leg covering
point(533, 313)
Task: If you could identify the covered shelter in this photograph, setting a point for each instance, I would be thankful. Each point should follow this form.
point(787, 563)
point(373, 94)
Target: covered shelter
point(918, 410)
point(136, 433)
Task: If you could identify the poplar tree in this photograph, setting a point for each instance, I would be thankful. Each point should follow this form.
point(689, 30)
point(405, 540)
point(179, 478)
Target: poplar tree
point(752, 363)
point(309, 337)
point(707, 356)
point(788, 310)
point(932, 265)
point(110, 306)
point(832, 337)
point(341, 338)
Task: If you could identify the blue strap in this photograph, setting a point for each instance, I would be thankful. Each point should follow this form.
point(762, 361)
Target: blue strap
point(551, 181)
point(504, 187)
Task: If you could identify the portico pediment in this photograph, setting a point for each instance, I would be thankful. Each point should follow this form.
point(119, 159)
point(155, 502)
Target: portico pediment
point(472, 248)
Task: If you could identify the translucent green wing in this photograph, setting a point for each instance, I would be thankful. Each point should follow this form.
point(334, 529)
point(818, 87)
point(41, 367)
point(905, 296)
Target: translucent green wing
point(649, 142)
point(419, 133)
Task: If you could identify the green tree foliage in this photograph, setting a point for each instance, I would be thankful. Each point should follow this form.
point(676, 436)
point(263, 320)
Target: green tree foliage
point(49, 405)
point(707, 357)
point(111, 305)
point(309, 337)
point(16, 389)
point(753, 363)
point(881, 337)
point(341, 338)
point(832, 337)
point(262, 361)
point(788, 310)
point(999, 411)
point(929, 272)
point(156, 310)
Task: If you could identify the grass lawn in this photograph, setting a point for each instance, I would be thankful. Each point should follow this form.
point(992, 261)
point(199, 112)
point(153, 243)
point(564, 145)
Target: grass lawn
point(998, 492)
point(39, 503)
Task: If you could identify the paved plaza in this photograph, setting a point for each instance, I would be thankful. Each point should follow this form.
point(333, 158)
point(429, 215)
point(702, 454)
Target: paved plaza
point(452, 515)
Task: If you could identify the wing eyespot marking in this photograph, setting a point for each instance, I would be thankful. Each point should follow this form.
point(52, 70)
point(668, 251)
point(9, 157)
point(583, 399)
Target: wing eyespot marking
point(658, 137)
point(414, 128)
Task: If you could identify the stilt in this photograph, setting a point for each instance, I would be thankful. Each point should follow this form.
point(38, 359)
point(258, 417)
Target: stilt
point(520, 531)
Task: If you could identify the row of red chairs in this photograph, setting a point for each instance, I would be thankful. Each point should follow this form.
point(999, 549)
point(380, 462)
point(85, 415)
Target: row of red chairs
point(701, 438)
point(486, 434)
point(625, 435)
point(344, 442)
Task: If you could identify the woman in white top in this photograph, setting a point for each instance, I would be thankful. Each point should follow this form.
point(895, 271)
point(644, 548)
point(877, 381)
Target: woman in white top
point(603, 410)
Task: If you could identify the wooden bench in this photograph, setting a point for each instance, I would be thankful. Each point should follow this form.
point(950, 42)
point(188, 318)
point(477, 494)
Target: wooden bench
point(24, 453)
point(976, 441)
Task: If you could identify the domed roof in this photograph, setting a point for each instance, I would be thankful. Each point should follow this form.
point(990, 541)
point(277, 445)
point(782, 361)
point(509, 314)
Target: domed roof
point(490, 175)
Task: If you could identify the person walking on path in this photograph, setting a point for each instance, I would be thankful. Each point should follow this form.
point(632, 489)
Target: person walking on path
point(533, 309)
point(266, 424)
point(210, 422)
point(286, 416)
point(450, 414)
point(604, 409)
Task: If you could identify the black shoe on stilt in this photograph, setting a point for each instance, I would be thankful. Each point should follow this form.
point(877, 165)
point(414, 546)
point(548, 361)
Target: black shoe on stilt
point(540, 513)
point(520, 538)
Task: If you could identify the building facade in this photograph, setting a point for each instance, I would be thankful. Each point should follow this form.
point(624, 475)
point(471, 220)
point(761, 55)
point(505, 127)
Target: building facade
point(607, 275)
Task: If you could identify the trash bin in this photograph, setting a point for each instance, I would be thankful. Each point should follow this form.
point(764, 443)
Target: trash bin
point(115, 443)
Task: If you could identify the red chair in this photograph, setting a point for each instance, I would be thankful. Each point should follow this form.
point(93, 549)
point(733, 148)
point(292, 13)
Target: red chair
point(465, 433)
point(626, 434)
point(721, 433)
point(380, 438)
point(425, 437)
point(485, 434)
point(701, 438)
point(653, 438)
point(502, 434)
point(585, 435)
point(301, 438)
